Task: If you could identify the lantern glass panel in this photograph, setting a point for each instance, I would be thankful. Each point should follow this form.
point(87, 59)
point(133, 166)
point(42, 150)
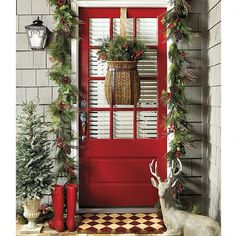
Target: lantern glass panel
point(37, 36)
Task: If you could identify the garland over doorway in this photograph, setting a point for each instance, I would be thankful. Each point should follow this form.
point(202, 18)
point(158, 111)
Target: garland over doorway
point(62, 111)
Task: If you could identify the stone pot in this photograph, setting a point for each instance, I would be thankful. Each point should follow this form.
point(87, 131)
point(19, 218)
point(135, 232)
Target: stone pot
point(31, 212)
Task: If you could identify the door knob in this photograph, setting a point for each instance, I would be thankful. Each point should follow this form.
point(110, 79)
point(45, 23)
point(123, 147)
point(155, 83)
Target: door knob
point(83, 104)
point(83, 119)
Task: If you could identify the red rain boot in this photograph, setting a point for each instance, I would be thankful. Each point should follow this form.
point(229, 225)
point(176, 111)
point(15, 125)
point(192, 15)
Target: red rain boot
point(71, 190)
point(57, 222)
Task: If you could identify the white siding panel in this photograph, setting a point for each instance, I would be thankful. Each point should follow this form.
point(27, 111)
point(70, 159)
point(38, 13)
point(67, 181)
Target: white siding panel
point(211, 3)
point(214, 55)
point(214, 36)
point(24, 60)
point(214, 75)
point(214, 16)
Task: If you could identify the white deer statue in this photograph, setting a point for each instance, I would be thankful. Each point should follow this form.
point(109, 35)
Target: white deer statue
point(178, 222)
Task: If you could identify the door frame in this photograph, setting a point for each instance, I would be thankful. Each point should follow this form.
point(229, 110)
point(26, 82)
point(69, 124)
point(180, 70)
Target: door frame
point(75, 5)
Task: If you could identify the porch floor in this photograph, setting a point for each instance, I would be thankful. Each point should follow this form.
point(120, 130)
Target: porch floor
point(90, 224)
point(50, 232)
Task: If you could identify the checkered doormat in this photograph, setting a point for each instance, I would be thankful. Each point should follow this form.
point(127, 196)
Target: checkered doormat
point(116, 223)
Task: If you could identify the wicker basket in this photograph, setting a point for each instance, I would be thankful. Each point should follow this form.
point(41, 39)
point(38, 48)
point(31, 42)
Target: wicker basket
point(122, 83)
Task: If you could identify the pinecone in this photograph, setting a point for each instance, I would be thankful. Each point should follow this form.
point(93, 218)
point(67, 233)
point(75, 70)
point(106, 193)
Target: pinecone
point(60, 2)
point(178, 35)
point(66, 80)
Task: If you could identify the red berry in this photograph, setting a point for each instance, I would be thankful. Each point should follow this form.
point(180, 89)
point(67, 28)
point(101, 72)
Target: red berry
point(60, 2)
point(171, 128)
point(178, 154)
point(59, 142)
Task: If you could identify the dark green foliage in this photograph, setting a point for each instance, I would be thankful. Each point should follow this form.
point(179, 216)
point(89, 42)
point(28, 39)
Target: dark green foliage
point(121, 49)
point(33, 164)
point(175, 98)
point(62, 112)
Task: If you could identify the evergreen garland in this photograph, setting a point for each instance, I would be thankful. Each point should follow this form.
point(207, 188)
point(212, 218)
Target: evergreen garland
point(62, 111)
point(180, 72)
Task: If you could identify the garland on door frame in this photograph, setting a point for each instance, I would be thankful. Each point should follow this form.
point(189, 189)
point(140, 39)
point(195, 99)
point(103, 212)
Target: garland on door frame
point(62, 111)
point(180, 73)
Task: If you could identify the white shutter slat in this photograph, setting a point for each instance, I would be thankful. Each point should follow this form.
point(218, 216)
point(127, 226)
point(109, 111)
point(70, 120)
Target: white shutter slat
point(99, 125)
point(147, 124)
point(99, 28)
point(147, 67)
point(147, 30)
point(123, 124)
point(97, 68)
point(96, 94)
point(149, 95)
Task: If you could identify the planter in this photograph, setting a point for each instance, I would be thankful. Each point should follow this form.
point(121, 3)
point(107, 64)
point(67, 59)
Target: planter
point(122, 83)
point(31, 212)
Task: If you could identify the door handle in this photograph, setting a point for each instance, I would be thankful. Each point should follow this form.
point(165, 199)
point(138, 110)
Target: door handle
point(83, 119)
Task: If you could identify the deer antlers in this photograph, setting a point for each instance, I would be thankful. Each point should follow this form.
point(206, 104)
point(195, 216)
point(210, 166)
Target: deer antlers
point(171, 175)
point(154, 173)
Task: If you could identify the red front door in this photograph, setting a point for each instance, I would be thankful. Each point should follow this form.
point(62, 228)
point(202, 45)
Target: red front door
point(121, 140)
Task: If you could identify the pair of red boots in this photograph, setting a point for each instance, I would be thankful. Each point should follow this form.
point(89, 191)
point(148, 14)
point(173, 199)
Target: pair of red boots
point(57, 222)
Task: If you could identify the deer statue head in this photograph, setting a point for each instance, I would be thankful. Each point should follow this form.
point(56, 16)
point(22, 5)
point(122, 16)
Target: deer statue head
point(164, 187)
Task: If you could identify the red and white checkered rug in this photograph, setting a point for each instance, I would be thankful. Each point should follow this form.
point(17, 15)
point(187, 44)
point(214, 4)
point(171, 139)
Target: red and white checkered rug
point(121, 223)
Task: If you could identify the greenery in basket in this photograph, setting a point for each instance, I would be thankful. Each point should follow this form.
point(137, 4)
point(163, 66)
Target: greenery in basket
point(121, 49)
point(33, 164)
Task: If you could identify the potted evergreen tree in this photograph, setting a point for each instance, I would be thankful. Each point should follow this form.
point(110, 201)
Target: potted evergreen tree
point(33, 165)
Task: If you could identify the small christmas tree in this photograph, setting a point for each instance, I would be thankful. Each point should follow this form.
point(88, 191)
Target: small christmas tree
point(33, 165)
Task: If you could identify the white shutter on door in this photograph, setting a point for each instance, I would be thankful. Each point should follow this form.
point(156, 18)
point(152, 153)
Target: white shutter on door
point(123, 121)
point(97, 68)
point(148, 96)
point(147, 67)
point(147, 30)
point(99, 28)
point(147, 124)
point(129, 27)
point(96, 94)
point(123, 124)
point(99, 125)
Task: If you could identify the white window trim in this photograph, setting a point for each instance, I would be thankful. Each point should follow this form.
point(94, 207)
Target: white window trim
point(122, 3)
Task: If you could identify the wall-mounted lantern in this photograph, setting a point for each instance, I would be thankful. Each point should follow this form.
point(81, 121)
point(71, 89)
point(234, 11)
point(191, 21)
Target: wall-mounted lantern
point(37, 34)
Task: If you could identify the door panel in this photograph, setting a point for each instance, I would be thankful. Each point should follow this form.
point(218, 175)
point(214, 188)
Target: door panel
point(122, 139)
